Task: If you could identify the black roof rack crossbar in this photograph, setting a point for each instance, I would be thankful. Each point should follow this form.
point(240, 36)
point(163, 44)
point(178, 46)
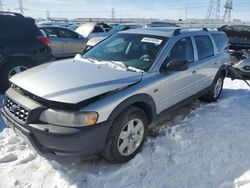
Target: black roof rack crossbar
point(177, 32)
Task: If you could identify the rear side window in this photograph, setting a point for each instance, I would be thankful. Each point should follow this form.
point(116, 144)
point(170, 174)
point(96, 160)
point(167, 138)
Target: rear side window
point(97, 30)
point(51, 32)
point(221, 42)
point(15, 26)
point(204, 47)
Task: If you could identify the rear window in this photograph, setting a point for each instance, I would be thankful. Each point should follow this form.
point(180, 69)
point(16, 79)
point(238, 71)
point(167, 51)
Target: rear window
point(204, 47)
point(15, 26)
point(221, 42)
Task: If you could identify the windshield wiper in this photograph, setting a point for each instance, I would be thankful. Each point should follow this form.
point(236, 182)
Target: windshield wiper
point(133, 69)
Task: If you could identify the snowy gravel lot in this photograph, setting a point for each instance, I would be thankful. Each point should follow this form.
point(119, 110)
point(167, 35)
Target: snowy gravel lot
point(208, 147)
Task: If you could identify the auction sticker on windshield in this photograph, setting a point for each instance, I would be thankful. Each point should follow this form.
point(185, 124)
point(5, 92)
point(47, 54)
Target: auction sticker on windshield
point(151, 40)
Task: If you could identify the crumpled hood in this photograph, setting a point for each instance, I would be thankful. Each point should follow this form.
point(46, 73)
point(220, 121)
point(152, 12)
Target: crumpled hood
point(73, 81)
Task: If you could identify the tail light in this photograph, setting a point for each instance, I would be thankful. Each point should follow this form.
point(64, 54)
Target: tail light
point(44, 40)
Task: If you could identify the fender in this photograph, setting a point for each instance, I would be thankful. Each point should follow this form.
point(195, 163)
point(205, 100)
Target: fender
point(144, 101)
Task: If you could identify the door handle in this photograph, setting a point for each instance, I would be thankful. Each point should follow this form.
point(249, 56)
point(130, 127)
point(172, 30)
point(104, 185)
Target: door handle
point(216, 63)
point(194, 72)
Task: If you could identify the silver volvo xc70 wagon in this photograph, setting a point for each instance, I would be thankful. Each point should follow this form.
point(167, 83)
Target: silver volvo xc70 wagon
point(105, 100)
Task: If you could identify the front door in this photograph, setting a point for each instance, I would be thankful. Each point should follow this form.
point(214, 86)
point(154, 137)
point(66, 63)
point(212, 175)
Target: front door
point(178, 85)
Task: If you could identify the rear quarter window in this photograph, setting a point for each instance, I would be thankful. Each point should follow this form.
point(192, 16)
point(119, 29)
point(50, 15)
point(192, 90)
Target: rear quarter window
point(204, 46)
point(19, 27)
point(221, 42)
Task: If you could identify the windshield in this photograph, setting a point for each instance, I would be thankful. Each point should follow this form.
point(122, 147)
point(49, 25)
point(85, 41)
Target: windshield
point(132, 50)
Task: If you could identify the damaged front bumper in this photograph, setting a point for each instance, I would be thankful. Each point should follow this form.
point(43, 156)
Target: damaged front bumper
point(46, 138)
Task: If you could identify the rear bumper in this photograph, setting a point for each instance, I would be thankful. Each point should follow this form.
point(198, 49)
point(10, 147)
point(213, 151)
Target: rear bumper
point(46, 138)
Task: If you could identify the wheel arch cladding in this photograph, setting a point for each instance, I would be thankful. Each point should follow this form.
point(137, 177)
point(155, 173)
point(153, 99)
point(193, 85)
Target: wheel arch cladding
point(11, 59)
point(143, 101)
point(222, 70)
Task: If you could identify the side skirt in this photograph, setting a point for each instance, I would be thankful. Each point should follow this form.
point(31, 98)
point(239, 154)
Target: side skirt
point(175, 107)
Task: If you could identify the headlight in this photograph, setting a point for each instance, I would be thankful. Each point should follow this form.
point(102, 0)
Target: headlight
point(69, 119)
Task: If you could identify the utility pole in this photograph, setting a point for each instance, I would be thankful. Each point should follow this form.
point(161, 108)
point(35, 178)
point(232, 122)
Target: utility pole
point(48, 15)
point(1, 5)
point(213, 11)
point(21, 6)
point(228, 11)
point(113, 15)
point(186, 14)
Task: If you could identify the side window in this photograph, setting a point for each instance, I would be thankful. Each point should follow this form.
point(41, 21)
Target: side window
point(51, 32)
point(221, 42)
point(97, 30)
point(204, 47)
point(65, 33)
point(181, 51)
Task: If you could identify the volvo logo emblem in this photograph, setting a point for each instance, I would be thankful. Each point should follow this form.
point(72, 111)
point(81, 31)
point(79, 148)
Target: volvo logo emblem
point(14, 108)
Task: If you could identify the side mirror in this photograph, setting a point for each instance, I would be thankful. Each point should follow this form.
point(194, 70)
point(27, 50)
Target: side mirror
point(176, 66)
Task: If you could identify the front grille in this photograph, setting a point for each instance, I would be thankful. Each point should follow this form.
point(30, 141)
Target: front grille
point(17, 111)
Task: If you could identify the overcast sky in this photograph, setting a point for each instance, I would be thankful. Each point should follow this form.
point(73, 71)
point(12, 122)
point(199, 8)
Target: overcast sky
point(169, 9)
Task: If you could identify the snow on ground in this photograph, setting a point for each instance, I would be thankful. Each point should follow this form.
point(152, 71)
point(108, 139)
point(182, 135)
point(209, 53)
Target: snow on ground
point(207, 146)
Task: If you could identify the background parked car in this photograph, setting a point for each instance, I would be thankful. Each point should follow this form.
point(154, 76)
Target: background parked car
point(162, 24)
point(239, 42)
point(91, 29)
point(58, 22)
point(22, 46)
point(121, 27)
point(64, 41)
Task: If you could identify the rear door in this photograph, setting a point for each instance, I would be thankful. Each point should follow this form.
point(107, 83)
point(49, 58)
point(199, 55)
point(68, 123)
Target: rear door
point(207, 62)
point(177, 86)
point(72, 42)
point(3, 46)
point(55, 41)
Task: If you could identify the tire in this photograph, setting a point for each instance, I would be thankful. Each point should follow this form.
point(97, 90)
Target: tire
point(10, 69)
point(214, 94)
point(126, 136)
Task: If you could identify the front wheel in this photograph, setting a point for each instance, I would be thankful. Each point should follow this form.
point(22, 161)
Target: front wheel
point(126, 136)
point(214, 94)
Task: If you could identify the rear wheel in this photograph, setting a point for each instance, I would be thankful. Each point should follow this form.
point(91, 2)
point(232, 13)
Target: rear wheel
point(10, 69)
point(126, 136)
point(214, 94)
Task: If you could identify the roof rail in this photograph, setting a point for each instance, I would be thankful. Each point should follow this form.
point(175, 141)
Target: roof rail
point(10, 13)
point(178, 31)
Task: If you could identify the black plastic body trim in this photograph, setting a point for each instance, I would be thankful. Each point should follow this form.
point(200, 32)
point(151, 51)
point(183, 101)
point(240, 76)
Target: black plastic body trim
point(59, 140)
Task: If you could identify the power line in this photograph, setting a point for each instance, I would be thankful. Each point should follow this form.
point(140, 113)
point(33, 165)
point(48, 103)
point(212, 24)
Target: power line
point(213, 11)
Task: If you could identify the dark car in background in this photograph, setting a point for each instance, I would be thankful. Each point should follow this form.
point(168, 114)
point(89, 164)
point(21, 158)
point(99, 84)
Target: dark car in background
point(238, 36)
point(64, 41)
point(22, 46)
